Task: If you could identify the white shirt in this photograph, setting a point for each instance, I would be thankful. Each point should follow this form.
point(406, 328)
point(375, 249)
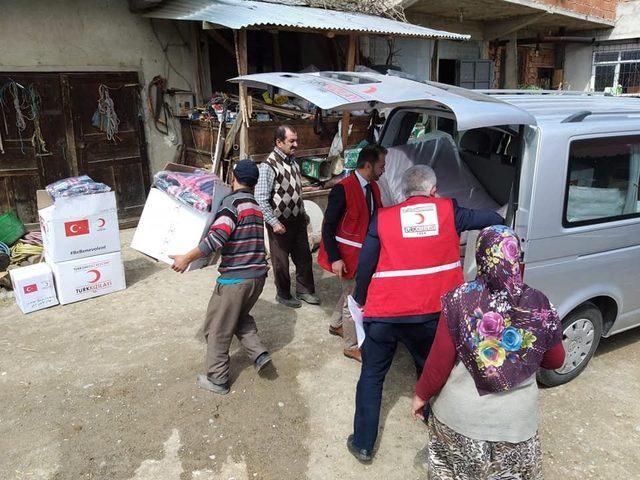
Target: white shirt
point(363, 184)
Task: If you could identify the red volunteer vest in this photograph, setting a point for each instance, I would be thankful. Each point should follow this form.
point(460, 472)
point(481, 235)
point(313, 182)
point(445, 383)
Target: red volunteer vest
point(419, 258)
point(353, 226)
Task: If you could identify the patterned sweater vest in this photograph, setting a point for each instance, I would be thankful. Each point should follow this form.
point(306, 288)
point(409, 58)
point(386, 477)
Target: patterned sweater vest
point(286, 200)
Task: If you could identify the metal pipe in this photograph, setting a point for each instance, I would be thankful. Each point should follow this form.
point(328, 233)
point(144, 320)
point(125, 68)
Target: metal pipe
point(556, 39)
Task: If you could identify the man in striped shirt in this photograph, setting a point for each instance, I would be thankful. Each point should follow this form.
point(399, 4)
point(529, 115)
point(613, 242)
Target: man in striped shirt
point(238, 233)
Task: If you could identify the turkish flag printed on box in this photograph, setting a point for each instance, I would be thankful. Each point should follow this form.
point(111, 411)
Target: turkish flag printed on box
point(79, 227)
point(30, 288)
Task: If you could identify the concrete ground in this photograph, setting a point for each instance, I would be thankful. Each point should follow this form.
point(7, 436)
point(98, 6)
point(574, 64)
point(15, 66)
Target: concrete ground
point(105, 389)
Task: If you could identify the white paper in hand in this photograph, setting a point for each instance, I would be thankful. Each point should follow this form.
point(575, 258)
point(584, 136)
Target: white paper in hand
point(356, 314)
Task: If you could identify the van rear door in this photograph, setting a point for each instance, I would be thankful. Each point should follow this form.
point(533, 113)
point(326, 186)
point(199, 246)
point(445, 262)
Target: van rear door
point(352, 91)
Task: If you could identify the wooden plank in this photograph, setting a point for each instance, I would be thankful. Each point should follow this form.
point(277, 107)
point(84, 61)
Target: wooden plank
point(197, 60)
point(351, 58)
point(220, 40)
point(277, 57)
point(72, 152)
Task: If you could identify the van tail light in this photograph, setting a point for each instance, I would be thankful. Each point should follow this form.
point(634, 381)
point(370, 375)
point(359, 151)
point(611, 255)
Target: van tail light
point(522, 265)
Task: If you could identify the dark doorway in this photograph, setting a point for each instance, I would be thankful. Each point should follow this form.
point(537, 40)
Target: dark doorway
point(447, 71)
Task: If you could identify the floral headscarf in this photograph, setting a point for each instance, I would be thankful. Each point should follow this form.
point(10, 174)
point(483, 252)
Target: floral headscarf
point(500, 326)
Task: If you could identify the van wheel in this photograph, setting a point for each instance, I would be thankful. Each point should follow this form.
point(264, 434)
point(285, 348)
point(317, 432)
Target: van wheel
point(582, 330)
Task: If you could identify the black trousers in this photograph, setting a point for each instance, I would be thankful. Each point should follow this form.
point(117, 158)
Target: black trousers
point(295, 243)
point(378, 350)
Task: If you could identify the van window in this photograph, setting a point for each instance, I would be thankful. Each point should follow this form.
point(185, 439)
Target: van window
point(602, 183)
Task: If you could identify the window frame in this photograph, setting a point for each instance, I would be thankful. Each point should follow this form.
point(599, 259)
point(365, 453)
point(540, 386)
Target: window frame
point(619, 49)
point(594, 221)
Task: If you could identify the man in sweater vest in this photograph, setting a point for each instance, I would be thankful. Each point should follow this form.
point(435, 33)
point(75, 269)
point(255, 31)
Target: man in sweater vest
point(279, 194)
point(410, 258)
point(350, 206)
point(237, 232)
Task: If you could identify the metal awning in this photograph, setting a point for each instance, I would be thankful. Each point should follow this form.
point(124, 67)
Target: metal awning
point(239, 14)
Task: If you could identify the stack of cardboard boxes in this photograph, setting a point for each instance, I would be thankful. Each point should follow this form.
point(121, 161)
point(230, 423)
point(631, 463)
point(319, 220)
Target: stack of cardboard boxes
point(82, 244)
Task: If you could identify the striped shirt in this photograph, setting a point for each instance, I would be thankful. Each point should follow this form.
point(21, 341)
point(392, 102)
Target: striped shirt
point(238, 233)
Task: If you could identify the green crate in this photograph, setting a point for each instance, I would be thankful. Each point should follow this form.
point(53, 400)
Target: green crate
point(316, 168)
point(11, 228)
point(351, 157)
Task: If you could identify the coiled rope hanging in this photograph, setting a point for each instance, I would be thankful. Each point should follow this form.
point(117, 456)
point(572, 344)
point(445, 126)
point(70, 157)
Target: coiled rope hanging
point(109, 119)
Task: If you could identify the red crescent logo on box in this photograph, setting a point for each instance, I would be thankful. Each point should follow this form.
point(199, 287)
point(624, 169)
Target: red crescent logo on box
point(97, 275)
point(78, 227)
point(101, 222)
point(30, 288)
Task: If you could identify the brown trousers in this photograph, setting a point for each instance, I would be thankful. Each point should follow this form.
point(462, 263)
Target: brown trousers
point(294, 242)
point(342, 316)
point(228, 315)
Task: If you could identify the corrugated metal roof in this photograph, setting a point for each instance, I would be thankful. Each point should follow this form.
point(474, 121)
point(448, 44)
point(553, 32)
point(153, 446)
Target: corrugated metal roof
point(555, 107)
point(238, 14)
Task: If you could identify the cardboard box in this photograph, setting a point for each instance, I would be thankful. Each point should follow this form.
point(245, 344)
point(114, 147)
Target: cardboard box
point(88, 277)
point(78, 227)
point(33, 287)
point(168, 227)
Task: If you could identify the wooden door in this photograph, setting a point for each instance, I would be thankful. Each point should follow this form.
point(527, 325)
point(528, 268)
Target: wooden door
point(23, 168)
point(120, 163)
point(73, 146)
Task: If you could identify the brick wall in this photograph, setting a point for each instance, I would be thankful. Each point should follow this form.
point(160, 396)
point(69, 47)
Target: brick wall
point(529, 62)
point(600, 8)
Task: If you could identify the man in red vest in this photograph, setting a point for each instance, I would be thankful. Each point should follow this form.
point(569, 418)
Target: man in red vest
point(350, 206)
point(410, 258)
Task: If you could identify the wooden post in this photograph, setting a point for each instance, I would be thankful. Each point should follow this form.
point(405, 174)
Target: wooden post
point(351, 58)
point(433, 75)
point(240, 37)
point(277, 58)
point(197, 60)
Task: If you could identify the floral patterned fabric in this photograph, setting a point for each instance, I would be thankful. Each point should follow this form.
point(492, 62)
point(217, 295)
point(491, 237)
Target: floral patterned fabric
point(501, 327)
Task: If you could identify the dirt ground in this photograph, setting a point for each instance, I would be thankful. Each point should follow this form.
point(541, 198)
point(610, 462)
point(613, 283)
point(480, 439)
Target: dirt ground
point(105, 389)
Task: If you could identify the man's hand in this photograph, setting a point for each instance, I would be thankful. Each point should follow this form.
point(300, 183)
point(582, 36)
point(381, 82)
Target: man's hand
point(279, 229)
point(180, 263)
point(339, 268)
point(307, 219)
point(417, 407)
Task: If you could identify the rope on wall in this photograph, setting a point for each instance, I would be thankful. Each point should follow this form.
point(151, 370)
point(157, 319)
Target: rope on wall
point(108, 120)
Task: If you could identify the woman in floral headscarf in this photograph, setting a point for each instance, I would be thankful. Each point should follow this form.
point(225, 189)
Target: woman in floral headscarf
point(494, 334)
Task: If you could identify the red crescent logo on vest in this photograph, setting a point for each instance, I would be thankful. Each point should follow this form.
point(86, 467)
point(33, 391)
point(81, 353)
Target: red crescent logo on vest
point(97, 275)
point(101, 222)
point(421, 217)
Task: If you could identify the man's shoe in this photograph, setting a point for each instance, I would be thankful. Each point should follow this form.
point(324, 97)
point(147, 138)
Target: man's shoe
point(353, 353)
point(203, 382)
point(337, 331)
point(310, 298)
point(262, 361)
point(363, 456)
point(288, 302)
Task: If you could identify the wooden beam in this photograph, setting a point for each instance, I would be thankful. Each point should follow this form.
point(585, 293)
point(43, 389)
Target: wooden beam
point(240, 37)
point(351, 58)
point(277, 58)
point(197, 60)
point(220, 40)
point(433, 74)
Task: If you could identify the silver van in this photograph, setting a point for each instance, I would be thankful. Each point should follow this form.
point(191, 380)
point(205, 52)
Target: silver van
point(563, 166)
